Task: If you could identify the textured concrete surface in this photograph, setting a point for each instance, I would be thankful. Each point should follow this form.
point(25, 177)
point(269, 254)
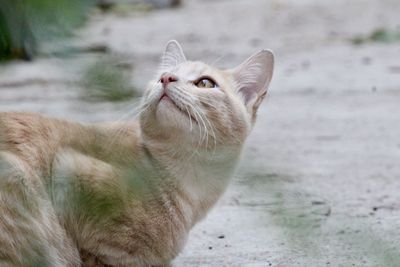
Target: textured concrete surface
point(320, 178)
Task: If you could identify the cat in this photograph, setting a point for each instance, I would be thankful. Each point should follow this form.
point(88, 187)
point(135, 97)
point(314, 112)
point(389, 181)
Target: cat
point(127, 193)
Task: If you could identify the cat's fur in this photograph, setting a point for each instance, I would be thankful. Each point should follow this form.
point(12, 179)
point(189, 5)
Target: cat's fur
point(126, 194)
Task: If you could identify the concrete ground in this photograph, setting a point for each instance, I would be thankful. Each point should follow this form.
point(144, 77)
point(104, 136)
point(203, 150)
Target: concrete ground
point(320, 178)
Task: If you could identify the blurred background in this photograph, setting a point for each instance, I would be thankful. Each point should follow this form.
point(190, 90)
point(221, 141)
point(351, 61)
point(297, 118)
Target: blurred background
point(319, 183)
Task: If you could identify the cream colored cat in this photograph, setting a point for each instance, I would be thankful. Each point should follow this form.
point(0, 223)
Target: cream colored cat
point(126, 194)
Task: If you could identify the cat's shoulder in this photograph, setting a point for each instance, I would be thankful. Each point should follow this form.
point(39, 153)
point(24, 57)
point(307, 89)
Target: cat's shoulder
point(25, 127)
point(27, 119)
point(19, 117)
point(25, 122)
point(15, 122)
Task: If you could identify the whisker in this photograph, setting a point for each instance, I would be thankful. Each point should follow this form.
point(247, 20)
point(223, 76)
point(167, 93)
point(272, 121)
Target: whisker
point(205, 126)
point(120, 130)
point(218, 59)
point(212, 130)
point(190, 118)
point(129, 112)
point(204, 101)
point(209, 123)
point(200, 135)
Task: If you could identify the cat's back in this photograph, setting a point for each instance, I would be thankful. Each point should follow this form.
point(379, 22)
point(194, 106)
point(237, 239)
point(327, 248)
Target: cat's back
point(22, 128)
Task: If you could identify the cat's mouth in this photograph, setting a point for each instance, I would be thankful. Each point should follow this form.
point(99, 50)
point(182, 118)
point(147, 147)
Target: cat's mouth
point(165, 97)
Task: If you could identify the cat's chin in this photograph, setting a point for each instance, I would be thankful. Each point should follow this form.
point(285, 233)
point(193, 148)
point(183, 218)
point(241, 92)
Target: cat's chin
point(169, 115)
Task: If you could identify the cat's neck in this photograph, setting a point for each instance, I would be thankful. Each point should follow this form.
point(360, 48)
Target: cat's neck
point(201, 176)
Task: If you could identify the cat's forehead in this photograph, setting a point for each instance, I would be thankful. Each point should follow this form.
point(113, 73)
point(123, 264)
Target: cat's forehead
point(192, 70)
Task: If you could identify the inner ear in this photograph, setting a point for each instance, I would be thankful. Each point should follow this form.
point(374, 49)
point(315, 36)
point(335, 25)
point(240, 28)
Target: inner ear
point(253, 77)
point(173, 56)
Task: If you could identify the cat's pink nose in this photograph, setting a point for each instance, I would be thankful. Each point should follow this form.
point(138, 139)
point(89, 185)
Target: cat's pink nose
point(167, 78)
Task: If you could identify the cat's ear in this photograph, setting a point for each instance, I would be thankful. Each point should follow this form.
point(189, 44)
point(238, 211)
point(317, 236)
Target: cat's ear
point(173, 55)
point(253, 77)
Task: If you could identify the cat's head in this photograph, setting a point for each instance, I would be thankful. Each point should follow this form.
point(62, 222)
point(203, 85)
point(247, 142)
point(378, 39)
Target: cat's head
point(193, 102)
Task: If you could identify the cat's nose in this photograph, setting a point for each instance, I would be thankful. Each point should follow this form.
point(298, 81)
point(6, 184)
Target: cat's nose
point(167, 78)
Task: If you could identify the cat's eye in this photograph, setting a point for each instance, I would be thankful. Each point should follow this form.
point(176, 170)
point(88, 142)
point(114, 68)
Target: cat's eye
point(205, 83)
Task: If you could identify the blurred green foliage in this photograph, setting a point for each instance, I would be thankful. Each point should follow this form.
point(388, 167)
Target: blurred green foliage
point(379, 35)
point(106, 80)
point(25, 23)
